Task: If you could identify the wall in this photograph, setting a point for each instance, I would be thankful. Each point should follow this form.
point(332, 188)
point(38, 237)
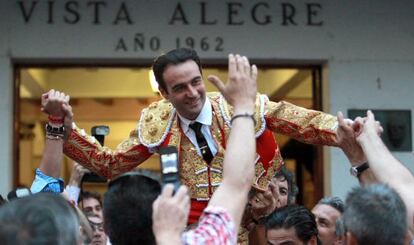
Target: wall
point(359, 42)
point(6, 125)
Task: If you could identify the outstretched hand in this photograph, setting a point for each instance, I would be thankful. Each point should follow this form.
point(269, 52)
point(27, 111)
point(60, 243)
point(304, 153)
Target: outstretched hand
point(241, 88)
point(346, 135)
point(263, 203)
point(368, 126)
point(78, 171)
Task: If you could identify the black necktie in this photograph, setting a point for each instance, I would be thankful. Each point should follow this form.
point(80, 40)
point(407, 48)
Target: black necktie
point(202, 142)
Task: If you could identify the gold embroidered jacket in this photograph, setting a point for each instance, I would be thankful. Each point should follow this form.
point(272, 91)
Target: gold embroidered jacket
point(159, 126)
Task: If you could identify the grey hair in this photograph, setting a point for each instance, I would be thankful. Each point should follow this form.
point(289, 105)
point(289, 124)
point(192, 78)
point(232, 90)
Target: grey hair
point(43, 218)
point(376, 214)
point(334, 202)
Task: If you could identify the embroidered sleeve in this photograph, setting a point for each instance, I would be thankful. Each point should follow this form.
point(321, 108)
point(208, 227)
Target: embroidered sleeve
point(108, 163)
point(308, 126)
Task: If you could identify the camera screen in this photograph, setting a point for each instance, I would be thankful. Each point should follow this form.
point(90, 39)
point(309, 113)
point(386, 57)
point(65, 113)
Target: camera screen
point(102, 130)
point(169, 163)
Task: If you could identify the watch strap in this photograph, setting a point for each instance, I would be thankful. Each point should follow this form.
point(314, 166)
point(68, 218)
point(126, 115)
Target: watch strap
point(357, 170)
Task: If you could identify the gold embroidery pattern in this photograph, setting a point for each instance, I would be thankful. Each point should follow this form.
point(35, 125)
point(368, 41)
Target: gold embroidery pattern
point(216, 171)
point(194, 171)
point(259, 173)
point(228, 113)
point(130, 142)
point(263, 181)
point(187, 168)
point(242, 236)
point(309, 126)
point(219, 120)
point(158, 117)
point(263, 177)
point(102, 160)
point(175, 135)
point(155, 122)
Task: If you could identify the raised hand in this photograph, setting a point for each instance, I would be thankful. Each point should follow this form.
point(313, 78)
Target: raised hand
point(52, 103)
point(169, 215)
point(241, 88)
point(78, 171)
point(346, 135)
point(368, 126)
point(263, 203)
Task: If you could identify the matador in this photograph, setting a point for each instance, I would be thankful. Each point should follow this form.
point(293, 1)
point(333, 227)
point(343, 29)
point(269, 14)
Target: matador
point(166, 123)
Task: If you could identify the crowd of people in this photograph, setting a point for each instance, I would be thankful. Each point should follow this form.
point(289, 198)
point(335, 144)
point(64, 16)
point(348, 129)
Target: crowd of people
point(234, 185)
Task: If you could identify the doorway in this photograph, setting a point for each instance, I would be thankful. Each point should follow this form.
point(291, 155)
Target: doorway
point(114, 96)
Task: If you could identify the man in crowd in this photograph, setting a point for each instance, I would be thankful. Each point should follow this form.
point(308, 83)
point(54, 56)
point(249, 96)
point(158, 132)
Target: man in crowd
point(327, 212)
point(128, 209)
point(375, 214)
point(283, 190)
point(43, 218)
point(291, 224)
point(91, 202)
point(98, 235)
point(198, 124)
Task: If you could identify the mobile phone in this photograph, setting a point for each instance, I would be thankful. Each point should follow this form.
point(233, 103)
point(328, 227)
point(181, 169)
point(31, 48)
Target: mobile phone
point(170, 166)
point(99, 132)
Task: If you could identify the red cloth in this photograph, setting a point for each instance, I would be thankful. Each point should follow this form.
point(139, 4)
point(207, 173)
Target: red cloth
point(196, 210)
point(266, 147)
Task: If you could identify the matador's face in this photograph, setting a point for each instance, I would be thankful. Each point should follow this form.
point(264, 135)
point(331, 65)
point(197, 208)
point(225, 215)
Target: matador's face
point(185, 88)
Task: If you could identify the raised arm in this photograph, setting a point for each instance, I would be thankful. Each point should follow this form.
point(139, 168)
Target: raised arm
point(346, 135)
point(238, 166)
point(52, 155)
point(363, 144)
point(106, 162)
point(87, 151)
point(47, 176)
point(386, 168)
point(73, 187)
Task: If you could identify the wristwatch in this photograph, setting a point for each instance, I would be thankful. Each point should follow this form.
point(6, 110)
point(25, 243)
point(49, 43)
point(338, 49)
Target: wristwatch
point(357, 170)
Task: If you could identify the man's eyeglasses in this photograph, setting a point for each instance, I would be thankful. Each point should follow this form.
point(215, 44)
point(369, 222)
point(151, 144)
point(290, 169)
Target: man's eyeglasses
point(96, 226)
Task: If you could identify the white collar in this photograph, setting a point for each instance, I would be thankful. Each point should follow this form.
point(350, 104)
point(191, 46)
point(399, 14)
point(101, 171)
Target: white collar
point(205, 117)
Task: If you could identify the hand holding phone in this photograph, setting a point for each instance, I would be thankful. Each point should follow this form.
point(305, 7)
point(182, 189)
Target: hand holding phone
point(169, 166)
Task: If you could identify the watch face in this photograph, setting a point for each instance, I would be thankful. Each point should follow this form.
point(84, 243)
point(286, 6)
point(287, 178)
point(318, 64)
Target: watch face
point(354, 171)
